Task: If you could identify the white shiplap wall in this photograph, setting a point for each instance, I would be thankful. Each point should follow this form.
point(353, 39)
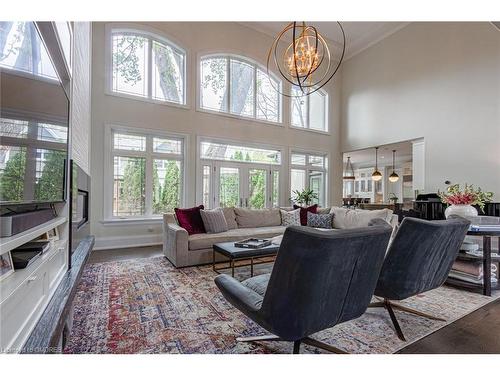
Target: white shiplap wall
point(80, 104)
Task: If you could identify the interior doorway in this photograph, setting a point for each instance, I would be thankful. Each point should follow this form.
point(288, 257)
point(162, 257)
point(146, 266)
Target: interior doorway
point(396, 163)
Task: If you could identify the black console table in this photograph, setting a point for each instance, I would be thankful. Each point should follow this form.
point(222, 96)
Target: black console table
point(434, 209)
point(486, 257)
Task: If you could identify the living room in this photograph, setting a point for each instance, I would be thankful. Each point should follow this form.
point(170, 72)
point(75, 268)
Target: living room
point(155, 173)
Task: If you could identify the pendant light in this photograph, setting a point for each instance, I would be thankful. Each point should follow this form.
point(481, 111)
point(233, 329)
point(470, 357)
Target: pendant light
point(349, 171)
point(394, 176)
point(376, 176)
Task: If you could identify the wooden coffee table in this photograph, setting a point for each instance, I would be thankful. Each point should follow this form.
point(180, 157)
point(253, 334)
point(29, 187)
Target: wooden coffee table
point(235, 254)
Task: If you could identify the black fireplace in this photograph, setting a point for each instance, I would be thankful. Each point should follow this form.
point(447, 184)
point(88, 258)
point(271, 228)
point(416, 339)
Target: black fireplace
point(79, 206)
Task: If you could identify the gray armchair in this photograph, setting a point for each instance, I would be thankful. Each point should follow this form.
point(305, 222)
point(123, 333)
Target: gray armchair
point(419, 259)
point(319, 279)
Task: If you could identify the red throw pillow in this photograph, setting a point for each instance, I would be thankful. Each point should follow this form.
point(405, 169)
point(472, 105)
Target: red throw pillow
point(190, 219)
point(303, 212)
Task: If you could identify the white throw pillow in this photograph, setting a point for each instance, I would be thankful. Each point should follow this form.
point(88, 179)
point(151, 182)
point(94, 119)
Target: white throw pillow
point(345, 218)
point(290, 217)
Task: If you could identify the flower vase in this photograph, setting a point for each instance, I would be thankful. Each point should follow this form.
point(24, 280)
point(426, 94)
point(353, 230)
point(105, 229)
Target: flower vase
point(463, 210)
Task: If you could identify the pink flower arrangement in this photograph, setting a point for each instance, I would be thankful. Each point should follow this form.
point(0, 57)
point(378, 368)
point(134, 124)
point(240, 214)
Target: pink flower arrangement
point(459, 198)
point(469, 195)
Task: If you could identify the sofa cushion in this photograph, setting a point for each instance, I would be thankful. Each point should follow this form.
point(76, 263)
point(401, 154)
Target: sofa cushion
point(323, 210)
point(190, 219)
point(346, 218)
point(214, 220)
point(207, 240)
point(290, 217)
point(248, 218)
point(230, 217)
point(319, 220)
point(304, 211)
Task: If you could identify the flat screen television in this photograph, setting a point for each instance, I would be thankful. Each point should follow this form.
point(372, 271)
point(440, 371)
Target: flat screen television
point(34, 112)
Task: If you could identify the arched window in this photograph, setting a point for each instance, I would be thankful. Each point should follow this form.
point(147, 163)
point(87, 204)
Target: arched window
point(311, 111)
point(238, 86)
point(147, 65)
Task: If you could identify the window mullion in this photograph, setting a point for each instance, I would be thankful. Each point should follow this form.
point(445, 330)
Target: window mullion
point(254, 92)
point(228, 93)
point(149, 176)
point(308, 111)
point(129, 153)
point(150, 67)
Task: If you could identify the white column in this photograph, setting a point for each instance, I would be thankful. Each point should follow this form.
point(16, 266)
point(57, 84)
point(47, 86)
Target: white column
point(418, 166)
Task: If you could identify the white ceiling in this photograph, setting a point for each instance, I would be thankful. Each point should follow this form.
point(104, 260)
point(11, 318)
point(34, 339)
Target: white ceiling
point(359, 35)
point(366, 158)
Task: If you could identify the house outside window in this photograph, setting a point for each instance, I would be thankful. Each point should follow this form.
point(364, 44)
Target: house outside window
point(146, 173)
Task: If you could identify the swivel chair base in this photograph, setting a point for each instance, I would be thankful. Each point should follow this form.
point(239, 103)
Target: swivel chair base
point(391, 306)
point(296, 344)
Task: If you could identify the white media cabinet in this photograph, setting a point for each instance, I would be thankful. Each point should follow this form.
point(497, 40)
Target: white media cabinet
point(25, 294)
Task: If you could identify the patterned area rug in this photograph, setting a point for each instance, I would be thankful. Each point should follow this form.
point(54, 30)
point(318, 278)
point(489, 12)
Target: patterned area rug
point(148, 306)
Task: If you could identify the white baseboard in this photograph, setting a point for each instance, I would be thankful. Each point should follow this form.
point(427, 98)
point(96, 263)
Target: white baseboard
point(106, 243)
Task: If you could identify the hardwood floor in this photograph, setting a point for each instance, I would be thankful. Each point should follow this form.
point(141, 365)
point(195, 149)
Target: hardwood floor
point(475, 333)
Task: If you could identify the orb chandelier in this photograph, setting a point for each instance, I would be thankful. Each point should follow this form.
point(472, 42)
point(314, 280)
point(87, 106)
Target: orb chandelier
point(307, 63)
point(376, 176)
point(394, 176)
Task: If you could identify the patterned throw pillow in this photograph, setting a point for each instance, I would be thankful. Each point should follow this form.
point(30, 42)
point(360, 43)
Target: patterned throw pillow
point(290, 217)
point(319, 220)
point(304, 211)
point(214, 220)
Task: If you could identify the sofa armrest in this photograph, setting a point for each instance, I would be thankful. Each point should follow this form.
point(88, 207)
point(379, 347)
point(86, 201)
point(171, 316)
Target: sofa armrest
point(394, 221)
point(175, 241)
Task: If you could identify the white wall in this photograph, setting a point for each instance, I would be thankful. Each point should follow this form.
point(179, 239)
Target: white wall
point(196, 38)
point(439, 81)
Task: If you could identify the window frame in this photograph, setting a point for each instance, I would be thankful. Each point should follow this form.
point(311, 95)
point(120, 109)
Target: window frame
point(216, 163)
point(67, 54)
point(308, 98)
point(152, 35)
point(307, 168)
point(30, 75)
point(150, 156)
point(256, 66)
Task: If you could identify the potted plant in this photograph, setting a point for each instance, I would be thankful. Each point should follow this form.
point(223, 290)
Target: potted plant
point(393, 198)
point(461, 201)
point(304, 197)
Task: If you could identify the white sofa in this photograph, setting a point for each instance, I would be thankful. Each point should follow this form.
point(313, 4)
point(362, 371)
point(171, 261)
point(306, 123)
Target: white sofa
point(189, 250)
